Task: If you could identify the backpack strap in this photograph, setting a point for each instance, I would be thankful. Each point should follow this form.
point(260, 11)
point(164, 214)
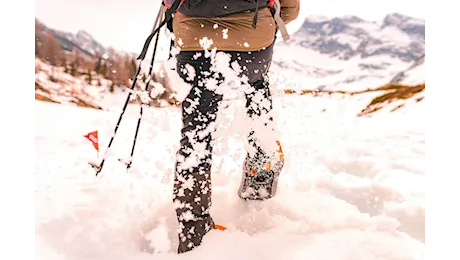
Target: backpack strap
point(256, 16)
point(279, 21)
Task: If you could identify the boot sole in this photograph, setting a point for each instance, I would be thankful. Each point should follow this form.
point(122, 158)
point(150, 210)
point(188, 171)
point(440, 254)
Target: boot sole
point(257, 191)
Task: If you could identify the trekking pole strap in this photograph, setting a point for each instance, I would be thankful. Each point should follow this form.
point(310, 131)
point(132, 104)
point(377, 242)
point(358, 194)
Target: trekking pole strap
point(169, 13)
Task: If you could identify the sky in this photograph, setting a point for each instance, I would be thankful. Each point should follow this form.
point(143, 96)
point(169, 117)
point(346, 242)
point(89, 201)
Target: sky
point(125, 24)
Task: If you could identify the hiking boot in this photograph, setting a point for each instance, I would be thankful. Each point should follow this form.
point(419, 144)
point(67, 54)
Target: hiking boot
point(260, 181)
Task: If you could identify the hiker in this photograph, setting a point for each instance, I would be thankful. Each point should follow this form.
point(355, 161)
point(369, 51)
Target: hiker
point(245, 32)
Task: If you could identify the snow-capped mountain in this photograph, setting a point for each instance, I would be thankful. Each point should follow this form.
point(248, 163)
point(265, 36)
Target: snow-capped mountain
point(82, 40)
point(397, 36)
point(348, 52)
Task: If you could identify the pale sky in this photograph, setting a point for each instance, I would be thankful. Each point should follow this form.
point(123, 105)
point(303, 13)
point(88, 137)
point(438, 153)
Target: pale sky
point(124, 24)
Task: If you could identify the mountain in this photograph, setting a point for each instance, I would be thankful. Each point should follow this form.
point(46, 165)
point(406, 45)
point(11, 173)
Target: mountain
point(397, 36)
point(340, 54)
point(80, 53)
point(82, 40)
point(348, 52)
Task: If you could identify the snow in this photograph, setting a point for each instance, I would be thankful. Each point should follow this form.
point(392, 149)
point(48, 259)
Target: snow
point(308, 69)
point(347, 39)
point(352, 187)
point(389, 34)
point(65, 86)
point(393, 35)
point(415, 75)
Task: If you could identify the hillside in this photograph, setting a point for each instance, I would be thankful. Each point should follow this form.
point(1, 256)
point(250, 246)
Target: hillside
point(54, 84)
point(81, 52)
point(406, 87)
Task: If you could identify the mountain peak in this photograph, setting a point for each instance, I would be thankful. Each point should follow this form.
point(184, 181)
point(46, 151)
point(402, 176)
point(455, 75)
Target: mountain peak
point(397, 19)
point(84, 35)
point(352, 19)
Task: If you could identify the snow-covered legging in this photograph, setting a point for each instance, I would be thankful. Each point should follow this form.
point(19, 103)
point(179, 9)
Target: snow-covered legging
point(192, 184)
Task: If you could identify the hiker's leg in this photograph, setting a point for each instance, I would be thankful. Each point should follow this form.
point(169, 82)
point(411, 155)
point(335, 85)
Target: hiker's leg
point(192, 184)
point(264, 160)
point(262, 138)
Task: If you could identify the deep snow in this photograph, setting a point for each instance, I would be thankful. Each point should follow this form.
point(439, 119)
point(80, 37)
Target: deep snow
point(352, 188)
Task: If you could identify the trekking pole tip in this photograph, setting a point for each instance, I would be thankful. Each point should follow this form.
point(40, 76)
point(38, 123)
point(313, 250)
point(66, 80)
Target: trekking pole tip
point(96, 167)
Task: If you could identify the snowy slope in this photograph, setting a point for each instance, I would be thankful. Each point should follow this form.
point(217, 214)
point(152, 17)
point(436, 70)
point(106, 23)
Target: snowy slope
point(414, 74)
point(54, 84)
point(353, 188)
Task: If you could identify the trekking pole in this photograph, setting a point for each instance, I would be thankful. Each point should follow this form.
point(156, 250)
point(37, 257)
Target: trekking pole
point(169, 13)
point(130, 160)
point(155, 30)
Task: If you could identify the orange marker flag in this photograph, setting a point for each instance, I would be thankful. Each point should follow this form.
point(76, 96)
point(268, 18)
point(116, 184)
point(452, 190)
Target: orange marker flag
point(220, 227)
point(93, 138)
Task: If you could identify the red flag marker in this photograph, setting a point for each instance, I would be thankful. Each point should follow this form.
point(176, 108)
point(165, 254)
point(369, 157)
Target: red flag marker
point(93, 138)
